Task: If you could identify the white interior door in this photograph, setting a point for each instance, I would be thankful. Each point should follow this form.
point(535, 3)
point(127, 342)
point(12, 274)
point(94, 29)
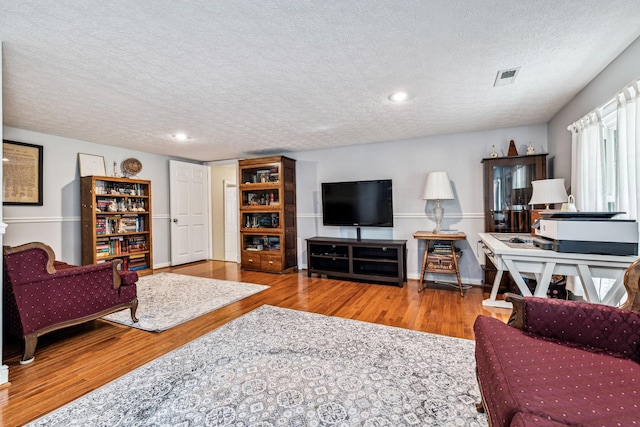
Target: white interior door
point(231, 231)
point(189, 199)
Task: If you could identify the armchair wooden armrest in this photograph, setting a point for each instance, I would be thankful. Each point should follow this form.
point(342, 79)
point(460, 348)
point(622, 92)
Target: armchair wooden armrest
point(631, 282)
point(517, 314)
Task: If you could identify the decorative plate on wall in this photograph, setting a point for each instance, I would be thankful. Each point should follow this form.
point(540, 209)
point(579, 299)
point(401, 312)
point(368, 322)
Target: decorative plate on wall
point(131, 166)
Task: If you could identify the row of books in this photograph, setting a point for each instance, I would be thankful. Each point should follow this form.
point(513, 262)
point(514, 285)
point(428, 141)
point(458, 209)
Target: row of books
point(441, 248)
point(120, 245)
point(137, 262)
point(133, 262)
point(119, 224)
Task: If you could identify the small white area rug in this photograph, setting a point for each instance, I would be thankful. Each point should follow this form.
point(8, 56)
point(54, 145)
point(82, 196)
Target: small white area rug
point(276, 367)
point(167, 299)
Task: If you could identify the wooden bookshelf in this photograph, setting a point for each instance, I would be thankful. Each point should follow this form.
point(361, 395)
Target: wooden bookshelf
point(116, 222)
point(268, 214)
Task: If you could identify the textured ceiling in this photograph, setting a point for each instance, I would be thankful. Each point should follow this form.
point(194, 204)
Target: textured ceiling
point(245, 77)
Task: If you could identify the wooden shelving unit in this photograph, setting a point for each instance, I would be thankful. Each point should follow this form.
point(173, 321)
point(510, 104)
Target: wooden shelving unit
point(382, 261)
point(116, 222)
point(268, 214)
point(442, 258)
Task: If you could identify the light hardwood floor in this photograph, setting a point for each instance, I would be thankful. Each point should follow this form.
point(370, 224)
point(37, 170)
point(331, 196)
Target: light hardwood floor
point(72, 362)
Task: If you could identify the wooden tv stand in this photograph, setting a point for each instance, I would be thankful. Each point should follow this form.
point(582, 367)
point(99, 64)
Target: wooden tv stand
point(367, 259)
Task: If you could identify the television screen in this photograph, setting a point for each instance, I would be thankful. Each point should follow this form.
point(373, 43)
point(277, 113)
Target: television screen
point(357, 203)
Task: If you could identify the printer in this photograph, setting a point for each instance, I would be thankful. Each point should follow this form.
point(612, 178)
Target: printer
point(587, 233)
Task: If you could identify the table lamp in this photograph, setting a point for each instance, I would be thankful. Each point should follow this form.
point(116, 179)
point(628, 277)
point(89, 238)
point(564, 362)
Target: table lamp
point(547, 191)
point(438, 187)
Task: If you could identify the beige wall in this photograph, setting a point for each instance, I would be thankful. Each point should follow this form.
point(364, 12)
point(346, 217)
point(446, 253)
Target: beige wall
point(219, 174)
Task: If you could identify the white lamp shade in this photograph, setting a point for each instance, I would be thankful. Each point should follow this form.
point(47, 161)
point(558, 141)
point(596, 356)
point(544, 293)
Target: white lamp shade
point(547, 191)
point(438, 187)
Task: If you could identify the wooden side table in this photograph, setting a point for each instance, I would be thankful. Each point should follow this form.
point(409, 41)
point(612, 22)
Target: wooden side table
point(427, 236)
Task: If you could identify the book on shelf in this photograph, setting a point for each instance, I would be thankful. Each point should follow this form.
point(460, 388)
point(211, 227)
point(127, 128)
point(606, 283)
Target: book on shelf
point(138, 262)
point(441, 248)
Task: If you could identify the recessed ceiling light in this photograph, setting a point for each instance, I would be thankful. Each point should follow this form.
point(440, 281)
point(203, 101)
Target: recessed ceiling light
point(181, 136)
point(399, 96)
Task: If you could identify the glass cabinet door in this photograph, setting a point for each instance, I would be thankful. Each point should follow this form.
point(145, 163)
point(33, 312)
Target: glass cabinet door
point(507, 187)
point(261, 219)
point(263, 174)
point(254, 242)
point(255, 197)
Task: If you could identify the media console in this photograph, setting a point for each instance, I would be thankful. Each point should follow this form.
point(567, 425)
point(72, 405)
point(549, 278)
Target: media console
point(367, 260)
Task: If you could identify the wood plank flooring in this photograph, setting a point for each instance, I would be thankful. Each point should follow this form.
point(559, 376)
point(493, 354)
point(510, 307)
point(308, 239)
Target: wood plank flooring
point(72, 362)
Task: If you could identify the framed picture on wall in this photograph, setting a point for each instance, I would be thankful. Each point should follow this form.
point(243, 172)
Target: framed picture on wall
point(91, 165)
point(21, 173)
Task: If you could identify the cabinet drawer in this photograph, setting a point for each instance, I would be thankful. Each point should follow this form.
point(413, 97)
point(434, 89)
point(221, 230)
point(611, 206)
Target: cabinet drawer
point(270, 263)
point(250, 259)
point(440, 262)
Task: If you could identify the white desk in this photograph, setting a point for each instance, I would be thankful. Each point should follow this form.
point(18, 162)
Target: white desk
point(525, 258)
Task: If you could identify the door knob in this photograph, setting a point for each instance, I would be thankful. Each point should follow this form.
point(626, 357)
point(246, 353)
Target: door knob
point(175, 219)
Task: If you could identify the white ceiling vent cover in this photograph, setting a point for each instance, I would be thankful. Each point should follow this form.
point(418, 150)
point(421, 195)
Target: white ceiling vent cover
point(506, 77)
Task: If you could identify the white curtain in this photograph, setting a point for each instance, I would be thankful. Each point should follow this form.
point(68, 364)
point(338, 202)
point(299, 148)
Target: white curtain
point(587, 164)
point(587, 173)
point(628, 158)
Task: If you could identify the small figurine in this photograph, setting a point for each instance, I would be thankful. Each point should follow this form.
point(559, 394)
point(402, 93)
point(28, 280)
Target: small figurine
point(493, 154)
point(530, 150)
point(113, 206)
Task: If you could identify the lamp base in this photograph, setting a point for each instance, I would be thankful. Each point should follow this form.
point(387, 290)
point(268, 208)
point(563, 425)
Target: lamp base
point(438, 214)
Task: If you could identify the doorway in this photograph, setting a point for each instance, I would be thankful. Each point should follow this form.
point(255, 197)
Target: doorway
point(189, 191)
point(231, 229)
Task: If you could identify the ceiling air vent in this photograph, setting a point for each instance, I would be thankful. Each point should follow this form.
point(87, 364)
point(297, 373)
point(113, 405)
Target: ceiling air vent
point(506, 77)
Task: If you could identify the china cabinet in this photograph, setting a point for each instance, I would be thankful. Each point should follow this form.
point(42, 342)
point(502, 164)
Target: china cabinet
point(268, 214)
point(507, 191)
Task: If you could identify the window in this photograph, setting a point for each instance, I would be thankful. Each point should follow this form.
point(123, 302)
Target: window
point(605, 165)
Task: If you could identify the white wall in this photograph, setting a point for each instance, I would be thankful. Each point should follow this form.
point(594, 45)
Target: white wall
point(219, 174)
point(407, 163)
point(624, 69)
point(57, 222)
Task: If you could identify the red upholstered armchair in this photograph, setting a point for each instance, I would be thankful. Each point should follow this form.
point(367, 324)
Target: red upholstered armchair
point(42, 295)
point(562, 362)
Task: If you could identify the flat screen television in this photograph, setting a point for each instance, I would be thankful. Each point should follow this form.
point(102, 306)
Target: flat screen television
point(358, 203)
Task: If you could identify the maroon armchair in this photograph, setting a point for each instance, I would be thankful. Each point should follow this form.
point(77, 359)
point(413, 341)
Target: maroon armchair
point(562, 362)
point(42, 295)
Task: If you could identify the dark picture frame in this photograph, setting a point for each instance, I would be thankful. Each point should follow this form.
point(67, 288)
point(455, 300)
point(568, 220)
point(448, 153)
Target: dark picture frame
point(21, 173)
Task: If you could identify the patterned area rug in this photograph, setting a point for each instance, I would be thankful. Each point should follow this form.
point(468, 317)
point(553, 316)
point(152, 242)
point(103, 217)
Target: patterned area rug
point(167, 299)
point(281, 367)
